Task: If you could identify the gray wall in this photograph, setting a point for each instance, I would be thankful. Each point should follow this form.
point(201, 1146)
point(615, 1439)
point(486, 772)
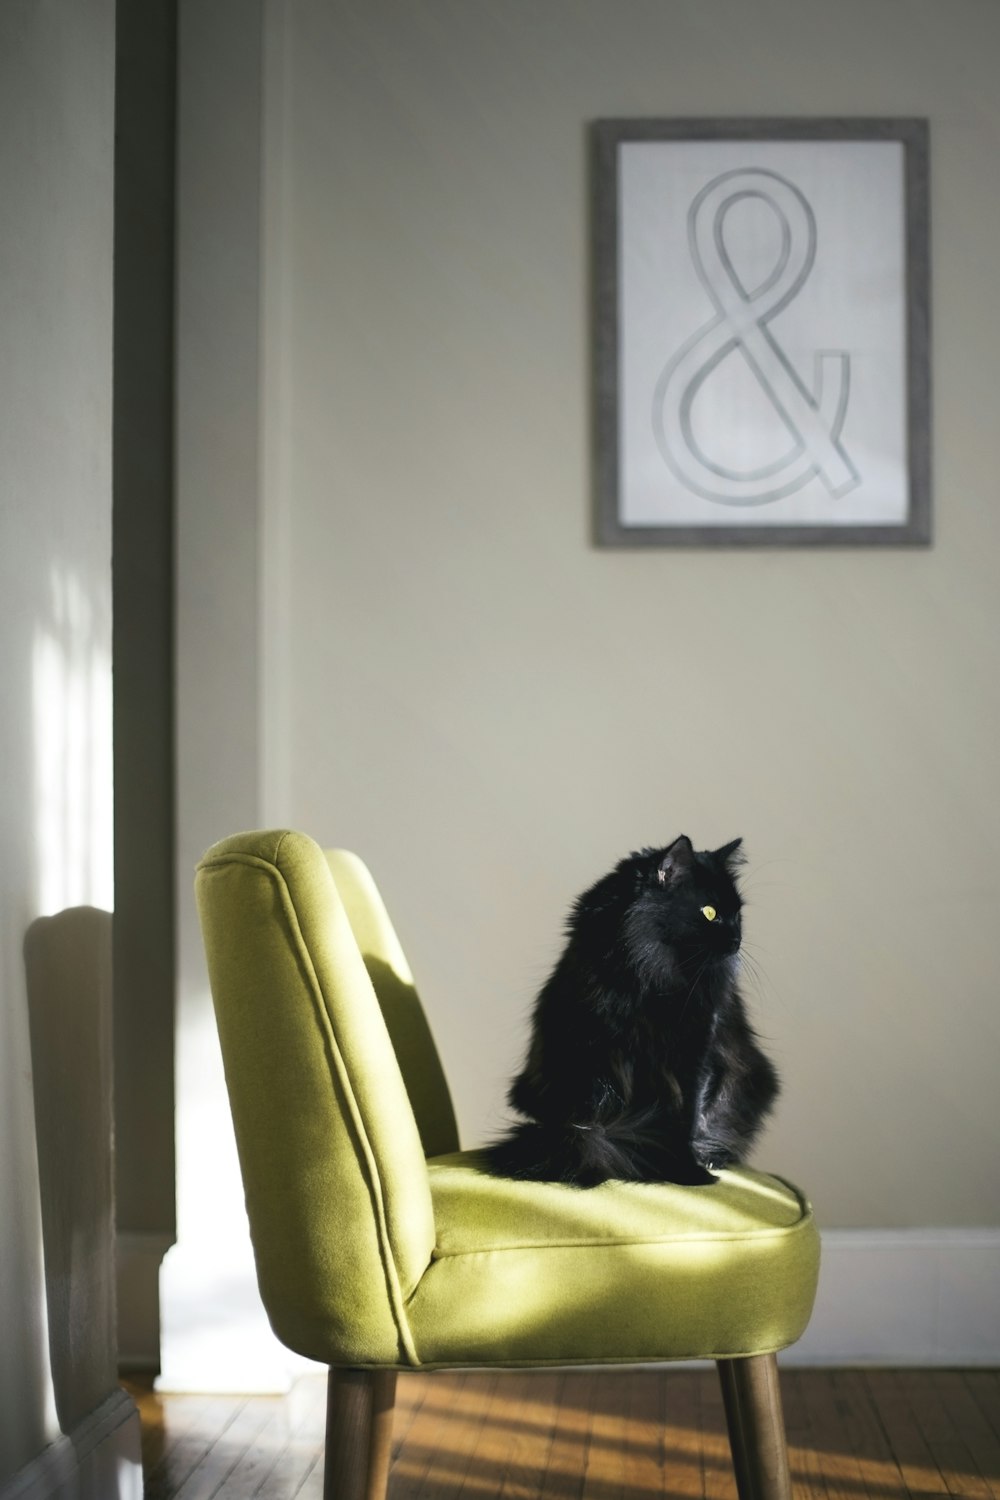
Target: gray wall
point(57, 1356)
point(208, 1285)
point(460, 686)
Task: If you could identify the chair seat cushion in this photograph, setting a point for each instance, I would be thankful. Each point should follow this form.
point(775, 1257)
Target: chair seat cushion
point(545, 1273)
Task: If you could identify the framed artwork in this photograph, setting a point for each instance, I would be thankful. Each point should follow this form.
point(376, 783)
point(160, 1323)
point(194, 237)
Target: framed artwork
point(762, 332)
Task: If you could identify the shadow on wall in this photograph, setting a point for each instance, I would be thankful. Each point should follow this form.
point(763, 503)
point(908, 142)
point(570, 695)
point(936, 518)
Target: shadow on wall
point(68, 964)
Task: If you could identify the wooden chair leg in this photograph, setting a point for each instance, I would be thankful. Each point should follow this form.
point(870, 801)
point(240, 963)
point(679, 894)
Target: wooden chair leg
point(734, 1424)
point(756, 1425)
point(358, 1433)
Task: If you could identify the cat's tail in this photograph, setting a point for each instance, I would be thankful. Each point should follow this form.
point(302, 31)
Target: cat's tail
point(532, 1152)
point(587, 1155)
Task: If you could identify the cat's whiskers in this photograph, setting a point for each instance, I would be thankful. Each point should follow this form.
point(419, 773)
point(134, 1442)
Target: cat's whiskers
point(752, 970)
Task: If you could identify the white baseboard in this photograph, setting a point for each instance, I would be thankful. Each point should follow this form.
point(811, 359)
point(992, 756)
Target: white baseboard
point(99, 1460)
point(886, 1297)
point(905, 1297)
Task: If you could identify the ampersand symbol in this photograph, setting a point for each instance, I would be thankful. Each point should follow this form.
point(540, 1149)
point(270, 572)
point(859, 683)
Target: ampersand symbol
point(813, 419)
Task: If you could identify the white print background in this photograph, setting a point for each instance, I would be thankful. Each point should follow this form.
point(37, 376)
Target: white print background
point(853, 300)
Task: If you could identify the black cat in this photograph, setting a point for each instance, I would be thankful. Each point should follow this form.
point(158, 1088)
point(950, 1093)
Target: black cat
point(642, 1064)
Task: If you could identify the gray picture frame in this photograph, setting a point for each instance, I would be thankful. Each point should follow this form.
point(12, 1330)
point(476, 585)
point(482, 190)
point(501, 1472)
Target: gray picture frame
point(740, 528)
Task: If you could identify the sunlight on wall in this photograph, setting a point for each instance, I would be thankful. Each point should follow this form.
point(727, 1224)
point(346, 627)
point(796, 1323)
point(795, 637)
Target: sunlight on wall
point(71, 684)
point(71, 809)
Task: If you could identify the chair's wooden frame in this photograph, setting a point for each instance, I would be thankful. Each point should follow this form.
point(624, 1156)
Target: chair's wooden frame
point(752, 1398)
point(359, 1407)
point(359, 1430)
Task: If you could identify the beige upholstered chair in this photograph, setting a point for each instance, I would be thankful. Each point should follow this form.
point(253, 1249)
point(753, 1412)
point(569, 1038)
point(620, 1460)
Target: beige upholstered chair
point(381, 1247)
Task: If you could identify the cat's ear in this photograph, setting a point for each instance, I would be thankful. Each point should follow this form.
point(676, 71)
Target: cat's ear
point(731, 855)
point(677, 861)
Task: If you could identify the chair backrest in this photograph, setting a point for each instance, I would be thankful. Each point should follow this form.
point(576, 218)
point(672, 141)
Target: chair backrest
point(333, 1168)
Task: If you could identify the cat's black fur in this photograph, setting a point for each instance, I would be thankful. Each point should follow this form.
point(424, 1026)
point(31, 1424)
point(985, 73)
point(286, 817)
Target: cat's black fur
point(642, 1064)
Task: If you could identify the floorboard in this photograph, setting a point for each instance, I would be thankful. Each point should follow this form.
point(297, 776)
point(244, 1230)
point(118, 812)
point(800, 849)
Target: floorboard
point(590, 1435)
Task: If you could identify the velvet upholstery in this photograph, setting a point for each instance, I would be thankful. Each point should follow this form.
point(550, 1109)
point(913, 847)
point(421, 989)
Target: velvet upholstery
point(369, 1253)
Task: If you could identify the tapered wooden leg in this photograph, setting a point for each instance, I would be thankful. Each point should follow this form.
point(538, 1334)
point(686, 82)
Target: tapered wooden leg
point(756, 1425)
point(734, 1423)
point(358, 1433)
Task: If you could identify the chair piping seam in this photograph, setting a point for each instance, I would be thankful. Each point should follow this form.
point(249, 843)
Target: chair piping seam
point(680, 1241)
point(396, 1298)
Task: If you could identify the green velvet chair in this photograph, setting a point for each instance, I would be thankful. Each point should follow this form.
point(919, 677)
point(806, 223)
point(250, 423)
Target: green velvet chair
point(381, 1247)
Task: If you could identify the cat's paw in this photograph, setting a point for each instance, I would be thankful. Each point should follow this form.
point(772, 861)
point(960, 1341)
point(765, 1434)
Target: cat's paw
point(714, 1158)
point(693, 1174)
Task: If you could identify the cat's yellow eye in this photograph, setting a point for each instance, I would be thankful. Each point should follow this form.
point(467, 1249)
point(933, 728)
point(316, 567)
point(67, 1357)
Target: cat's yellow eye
point(709, 913)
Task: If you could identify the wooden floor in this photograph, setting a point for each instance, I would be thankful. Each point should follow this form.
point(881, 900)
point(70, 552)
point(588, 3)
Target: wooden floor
point(587, 1435)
